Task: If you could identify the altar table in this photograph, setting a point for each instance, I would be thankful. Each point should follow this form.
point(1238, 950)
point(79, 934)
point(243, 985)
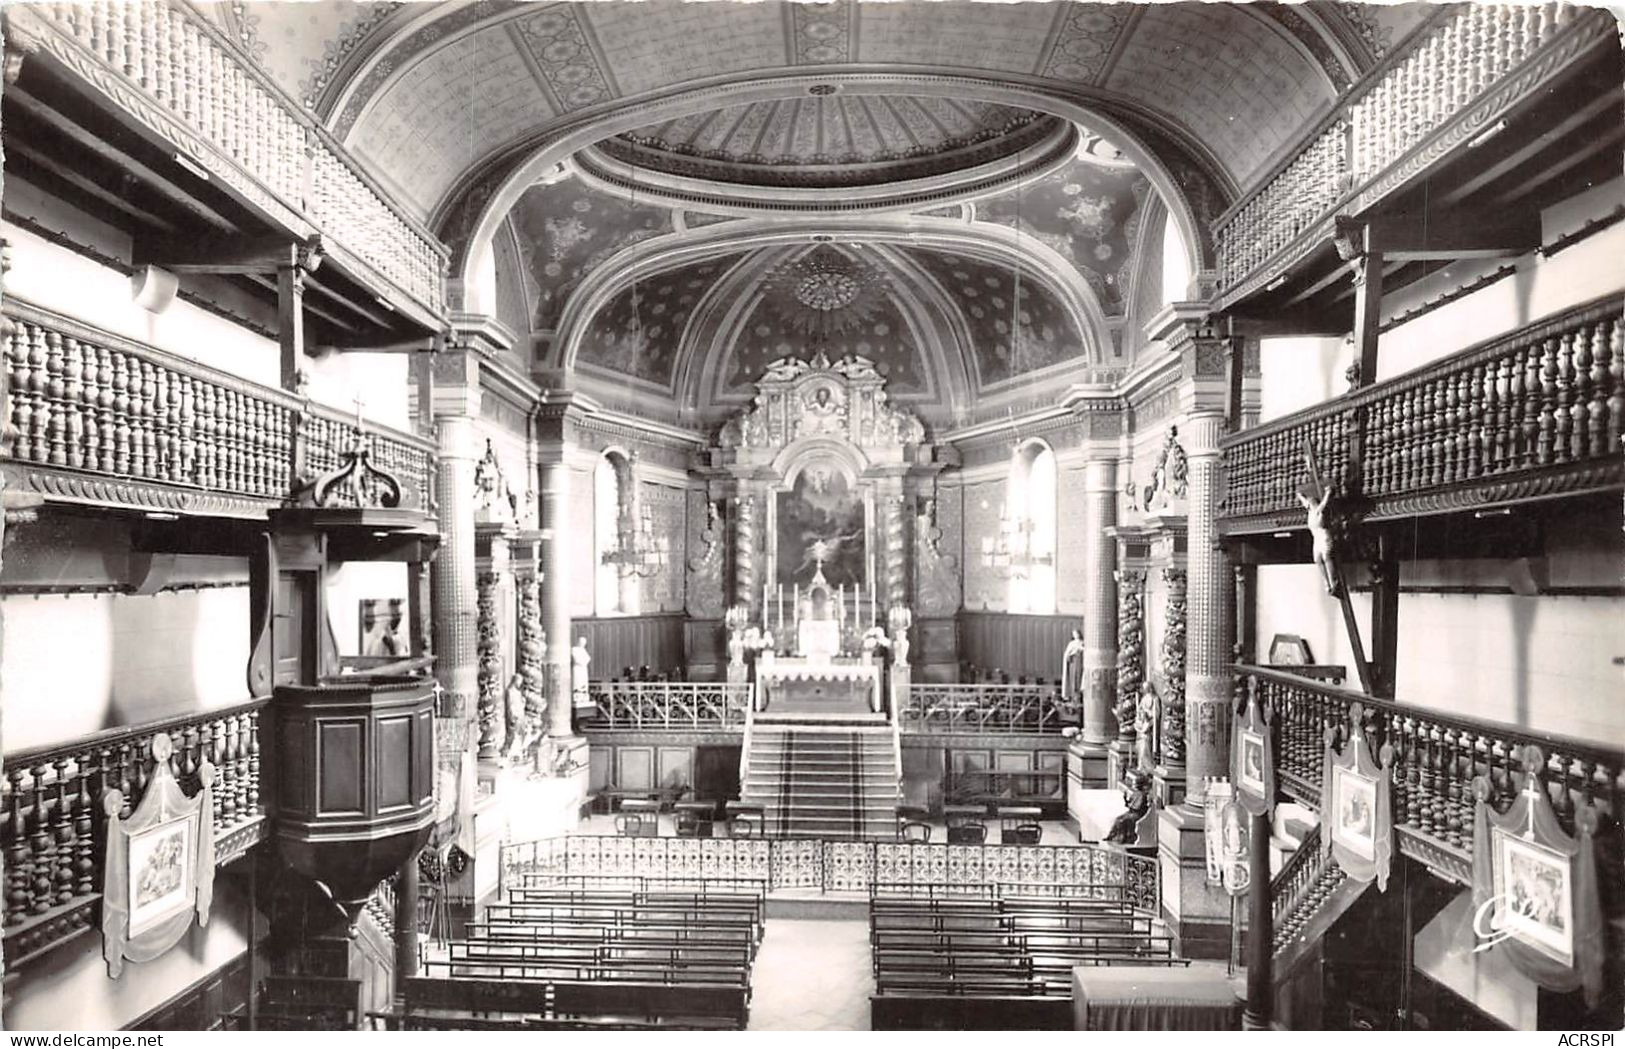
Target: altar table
point(1154, 998)
point(813, 684)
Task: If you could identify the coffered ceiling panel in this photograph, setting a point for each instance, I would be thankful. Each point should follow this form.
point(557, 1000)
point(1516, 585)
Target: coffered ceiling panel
point(647, 46)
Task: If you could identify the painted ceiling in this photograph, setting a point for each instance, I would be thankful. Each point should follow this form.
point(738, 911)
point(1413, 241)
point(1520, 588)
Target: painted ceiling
point(1089, 214)
point(833, 139)
point(638, 332)
point(428, 92)
point(567, 229)
point(828, 301)
point(988, 297)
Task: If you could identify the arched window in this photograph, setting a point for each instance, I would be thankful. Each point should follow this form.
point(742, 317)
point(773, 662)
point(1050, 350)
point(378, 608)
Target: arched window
point(1030, 527)
point(615, 591)
point(1176, 263)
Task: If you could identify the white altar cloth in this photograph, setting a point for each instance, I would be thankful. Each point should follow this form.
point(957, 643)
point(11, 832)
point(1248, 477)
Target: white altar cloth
point(785, 670)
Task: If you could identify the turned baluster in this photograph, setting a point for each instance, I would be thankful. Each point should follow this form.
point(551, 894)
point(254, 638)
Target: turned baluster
point(121, 780)
point(1438, 436)
point(163, 425)
point(185, 754)
point(120, 458)
point(1561, 783)
point(42, 842)
point(62, 822)
point(1478, 393)
point(141, 418)
point(137, 467)
point(186, 429)
point(187, 67)
point(1548, 401)
point(226, 748)
point(1611, 335)
point(1527, 379)
point(1563, 421)
point(248, 797)
point(1450, 424)
point(73, 369)
point(1503, 446)
point(1427, 783)
point(1402, 429)
point(204, 427)
point(1455, 785)
point(19, 865)
point(1579, 395)
point(38, 435)
point(1597, 383)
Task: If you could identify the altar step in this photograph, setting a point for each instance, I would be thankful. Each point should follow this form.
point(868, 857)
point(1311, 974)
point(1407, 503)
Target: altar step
point(814, 779)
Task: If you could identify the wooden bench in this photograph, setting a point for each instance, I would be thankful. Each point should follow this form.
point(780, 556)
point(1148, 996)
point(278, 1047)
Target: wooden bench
point(477, 1004)
point(948, 1012)
point(595, 931)
point(544, 971)
point(707, 903)
point(478, 949)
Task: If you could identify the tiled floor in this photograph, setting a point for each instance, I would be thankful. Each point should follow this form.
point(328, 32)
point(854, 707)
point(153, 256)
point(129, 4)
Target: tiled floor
point(812, 976)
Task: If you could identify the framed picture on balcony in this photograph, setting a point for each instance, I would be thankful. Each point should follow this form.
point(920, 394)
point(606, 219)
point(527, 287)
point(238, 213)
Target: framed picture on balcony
point(1354, 809)
point(159, 871)
point(1251, 773)
point(1357, 802)
point(1290, 650)
point(1534, 897)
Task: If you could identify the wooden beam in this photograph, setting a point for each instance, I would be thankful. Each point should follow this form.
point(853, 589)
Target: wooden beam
point(1385, 624)
point(87, 186)
point(1602, 143)
point(219, 254)
point(270, 285)
point(120, 160)
point(347, 302)
point(1458, 234)
point(290, 327)
point(1507, 164)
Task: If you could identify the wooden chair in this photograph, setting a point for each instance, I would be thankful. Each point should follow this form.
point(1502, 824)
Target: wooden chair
point(915, 833)
point(967, 834)
point(1023, 834)
point(629, 824)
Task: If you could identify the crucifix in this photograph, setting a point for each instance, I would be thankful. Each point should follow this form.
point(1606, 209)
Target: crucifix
point(358, 401)
point(1315, 495)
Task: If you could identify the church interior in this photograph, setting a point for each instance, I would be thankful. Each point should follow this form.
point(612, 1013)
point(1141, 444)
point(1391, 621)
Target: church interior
point(840, 515)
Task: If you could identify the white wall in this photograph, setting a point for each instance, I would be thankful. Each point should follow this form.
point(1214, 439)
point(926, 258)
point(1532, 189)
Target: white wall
point(1300, 372)
point(78, 663)
point(348, 585)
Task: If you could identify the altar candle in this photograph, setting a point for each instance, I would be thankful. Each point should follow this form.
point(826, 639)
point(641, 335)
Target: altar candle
point(781, 608)
point(767, 592)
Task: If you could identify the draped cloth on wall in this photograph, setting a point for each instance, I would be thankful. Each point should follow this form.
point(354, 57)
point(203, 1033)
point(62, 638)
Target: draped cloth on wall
point(1536, 887)
point(1153, 998)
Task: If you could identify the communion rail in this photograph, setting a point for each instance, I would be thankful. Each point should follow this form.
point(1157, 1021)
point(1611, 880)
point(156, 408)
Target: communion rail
point(1532, 414)
point(1437, 756)
point(50, 814)
point(169, 67)
point(668, 704)
point(1450, 81)
point(828, 865)
point(106, 420)
point(982, 709)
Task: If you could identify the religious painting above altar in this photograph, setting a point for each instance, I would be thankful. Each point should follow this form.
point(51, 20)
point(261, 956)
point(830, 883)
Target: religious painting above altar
point(821, 525)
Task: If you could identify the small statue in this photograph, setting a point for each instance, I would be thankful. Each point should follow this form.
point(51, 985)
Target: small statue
point(736, 648)
point(899, 648)
point(1320, 531)
point(580, 660)
point(1145, 727)
point(521, 733)
point(1125, 829)
point(1072, 668)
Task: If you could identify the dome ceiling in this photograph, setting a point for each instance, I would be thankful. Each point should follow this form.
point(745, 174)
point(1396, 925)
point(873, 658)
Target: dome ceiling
point(828, 140)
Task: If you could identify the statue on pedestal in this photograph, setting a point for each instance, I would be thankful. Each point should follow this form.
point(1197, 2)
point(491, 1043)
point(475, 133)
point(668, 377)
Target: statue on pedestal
point(580, 660)
point(1072, 668)
point(1146, 723)
point(736, 648)
point(523, 730)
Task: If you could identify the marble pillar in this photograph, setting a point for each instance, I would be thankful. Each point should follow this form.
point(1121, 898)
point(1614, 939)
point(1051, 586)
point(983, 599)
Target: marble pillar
point(1100, 599)
point(1207, 646)
point(555, 485)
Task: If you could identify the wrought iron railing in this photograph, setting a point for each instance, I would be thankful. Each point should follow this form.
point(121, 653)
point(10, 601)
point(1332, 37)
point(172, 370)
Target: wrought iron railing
point(50, 814)
point(170, 67)
point(1101, 871)
point(1000, 709)
point(1448, 84)
point(669, 704)
point(1537, 412)
point(91, 407)
point(1437, 757)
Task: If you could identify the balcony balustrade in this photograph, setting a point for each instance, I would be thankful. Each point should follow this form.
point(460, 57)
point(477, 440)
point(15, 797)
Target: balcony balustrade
point(1532, 414)
point(105, 420)
point(50, 811)
point(982, 709)
point(1469, 65)
point(1437, 757)
point(680, 705)
point(166, 65)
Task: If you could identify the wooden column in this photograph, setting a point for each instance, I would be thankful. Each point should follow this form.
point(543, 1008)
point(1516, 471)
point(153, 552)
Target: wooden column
point(294, 264)
point(406, 922)
point(1260, 1008)
point(1384, 625)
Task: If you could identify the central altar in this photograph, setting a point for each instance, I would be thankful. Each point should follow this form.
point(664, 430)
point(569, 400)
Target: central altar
point(799, 685)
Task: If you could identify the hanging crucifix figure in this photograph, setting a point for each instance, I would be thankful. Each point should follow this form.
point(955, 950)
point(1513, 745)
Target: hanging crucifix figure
point(1314, 495)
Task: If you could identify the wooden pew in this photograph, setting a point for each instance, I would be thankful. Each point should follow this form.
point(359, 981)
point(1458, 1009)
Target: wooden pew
point(596, 931)
point(473, 1004)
